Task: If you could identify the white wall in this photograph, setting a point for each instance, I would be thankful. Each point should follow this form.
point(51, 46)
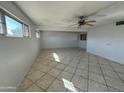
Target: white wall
point(59, 39)
point(83, 44)
point(16, 54)
point(107, 41)
point(60, 28)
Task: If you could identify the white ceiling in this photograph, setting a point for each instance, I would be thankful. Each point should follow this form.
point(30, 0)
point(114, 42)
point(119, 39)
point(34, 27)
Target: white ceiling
point(56, 15)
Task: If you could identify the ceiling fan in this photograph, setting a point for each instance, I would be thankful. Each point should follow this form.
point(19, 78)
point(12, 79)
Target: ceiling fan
point(83, 21)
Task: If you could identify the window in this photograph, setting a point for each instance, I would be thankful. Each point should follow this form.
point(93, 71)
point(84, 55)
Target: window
point(37, 34)
point(11, 26)
point(14, 28)
point(83, 36)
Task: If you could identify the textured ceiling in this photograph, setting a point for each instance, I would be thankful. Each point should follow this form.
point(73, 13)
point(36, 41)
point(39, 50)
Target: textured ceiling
point(60, 14)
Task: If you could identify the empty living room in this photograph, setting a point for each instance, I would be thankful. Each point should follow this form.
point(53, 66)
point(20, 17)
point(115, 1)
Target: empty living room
point(61, 46)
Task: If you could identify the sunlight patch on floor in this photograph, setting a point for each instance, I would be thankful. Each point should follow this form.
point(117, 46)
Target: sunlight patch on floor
point(69, 85)
point(56, 57)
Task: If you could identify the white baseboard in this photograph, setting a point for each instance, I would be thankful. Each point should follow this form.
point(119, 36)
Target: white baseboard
point(7, 89)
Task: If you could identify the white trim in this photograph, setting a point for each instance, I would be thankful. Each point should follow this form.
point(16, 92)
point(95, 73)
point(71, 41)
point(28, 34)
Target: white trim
point(7, 89)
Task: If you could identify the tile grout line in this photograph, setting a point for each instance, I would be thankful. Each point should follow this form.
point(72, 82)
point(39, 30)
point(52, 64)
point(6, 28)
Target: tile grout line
point(88, 75)
point(25, 77)
point(41, 76)
point(102, 73)
point(97, 74)
point(75, 72)
point(116, 72)
point(57, 76)
point(75, 55)
point(44, 75)
point(38, 79)
point(114, 78)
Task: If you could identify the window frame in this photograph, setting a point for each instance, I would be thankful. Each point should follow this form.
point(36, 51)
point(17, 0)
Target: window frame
point(29, 32)
point(4, 13)
point(3, 23)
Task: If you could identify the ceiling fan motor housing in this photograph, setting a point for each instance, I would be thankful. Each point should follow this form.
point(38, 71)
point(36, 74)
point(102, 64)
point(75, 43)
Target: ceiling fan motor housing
point(81, 22)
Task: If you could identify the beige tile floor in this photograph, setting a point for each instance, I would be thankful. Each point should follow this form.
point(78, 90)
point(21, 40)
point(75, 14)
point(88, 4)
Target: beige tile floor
point(72, 69)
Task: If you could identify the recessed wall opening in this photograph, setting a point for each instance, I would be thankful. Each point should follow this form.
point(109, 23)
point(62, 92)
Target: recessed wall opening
point(83, 40)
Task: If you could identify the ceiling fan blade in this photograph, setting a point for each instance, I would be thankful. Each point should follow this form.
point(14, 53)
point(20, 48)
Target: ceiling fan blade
point(73, 24)
point(90, 21)
point(89, 24)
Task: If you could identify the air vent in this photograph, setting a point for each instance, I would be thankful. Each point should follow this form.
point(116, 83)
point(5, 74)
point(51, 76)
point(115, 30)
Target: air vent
point(119, 23)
